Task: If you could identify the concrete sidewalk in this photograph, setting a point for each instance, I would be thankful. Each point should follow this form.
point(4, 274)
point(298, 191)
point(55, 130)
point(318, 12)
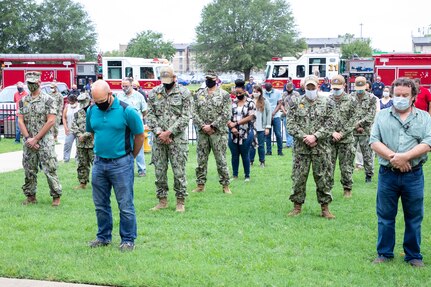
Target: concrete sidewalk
point(9, 282)
point(13, 160)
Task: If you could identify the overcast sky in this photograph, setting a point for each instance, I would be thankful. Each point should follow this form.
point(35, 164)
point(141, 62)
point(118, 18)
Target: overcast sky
point(389, 24)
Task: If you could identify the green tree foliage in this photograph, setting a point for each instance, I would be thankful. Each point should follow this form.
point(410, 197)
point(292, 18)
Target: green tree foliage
point(355, 47)
point(65, 27)
point(16, 26)
point(50, 26)
point(244, 34)
point(150, 44)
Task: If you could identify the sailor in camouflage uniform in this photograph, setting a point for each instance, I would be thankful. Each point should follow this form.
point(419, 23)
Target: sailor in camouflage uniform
point(212, 110)
point(310, 122)
point(342, 141)
point(37, 113)
point(169, 112)
point(59, 103)
point(85, 142)
point(365, 113)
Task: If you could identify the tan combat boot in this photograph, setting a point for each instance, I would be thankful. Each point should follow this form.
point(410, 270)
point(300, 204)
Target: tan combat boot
point(226, 189)
point(180, 205)
point(81, 186)
point(296, 209)
point(326, 213)
point(55, 201)
point(163, 203)
point(347, 193)
point(31, 199)
point(200, 188)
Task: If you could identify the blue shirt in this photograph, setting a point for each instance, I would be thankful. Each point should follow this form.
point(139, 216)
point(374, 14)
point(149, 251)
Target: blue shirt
point(377, 89)
point(401, 136)
point(273, 97)
point(113, 129)
point(249, 87)
point(325, 87)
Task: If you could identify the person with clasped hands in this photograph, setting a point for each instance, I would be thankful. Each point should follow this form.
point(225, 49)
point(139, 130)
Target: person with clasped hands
point(401, 137)
point(118, 135)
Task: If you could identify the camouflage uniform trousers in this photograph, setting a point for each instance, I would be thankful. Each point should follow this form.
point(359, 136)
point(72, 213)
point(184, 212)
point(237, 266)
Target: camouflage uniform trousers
point(367, 153)
point(176, 153)
point(56, 126)
point(48, 160)
point(345, 152)
point(216, 142)
point(322, 168)
point(85, 160)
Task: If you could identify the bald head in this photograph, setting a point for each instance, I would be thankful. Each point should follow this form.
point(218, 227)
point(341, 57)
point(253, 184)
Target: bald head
point(100, 90)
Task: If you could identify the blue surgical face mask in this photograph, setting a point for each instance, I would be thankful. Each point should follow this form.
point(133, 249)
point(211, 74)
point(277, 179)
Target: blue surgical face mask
point(337, 92)
point(401, 103)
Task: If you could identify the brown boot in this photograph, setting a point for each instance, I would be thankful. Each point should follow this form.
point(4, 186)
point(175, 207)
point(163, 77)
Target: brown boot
point(31, 199)
point(347, 193)
point(81, 186)
point(226, 189)
point(180, 205)
point(296, 209)
point(200, 188)
point(55, 201)
point(326, 213)
point(163, 203)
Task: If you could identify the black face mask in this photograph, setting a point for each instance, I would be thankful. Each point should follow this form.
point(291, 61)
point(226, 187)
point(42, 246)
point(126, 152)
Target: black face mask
point(135, 89)
point(20, 90)
point(289, 92)
point(210, 83)
point(268, 89)
point(240, 96)
point(168, 86)
point(103, 106)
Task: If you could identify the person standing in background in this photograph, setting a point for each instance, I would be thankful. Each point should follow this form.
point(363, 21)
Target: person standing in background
point(20, 93)
point(59, 103)
point(68, 115)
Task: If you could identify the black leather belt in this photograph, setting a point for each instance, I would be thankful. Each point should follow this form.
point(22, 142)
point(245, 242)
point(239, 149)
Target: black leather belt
point(112, 159)
point(397, 170)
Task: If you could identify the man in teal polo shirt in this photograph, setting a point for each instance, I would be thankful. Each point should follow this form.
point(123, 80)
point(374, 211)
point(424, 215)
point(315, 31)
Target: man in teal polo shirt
point(118, 137)
point(401, 137)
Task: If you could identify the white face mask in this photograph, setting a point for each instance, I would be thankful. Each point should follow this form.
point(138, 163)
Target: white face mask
point(256, 95)
point(337, 92)
point(311, 95)
point(386, 94)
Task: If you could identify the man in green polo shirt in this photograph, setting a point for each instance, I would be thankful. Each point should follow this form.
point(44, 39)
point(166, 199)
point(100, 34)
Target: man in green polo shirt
point(118, 137)
point(401, 137)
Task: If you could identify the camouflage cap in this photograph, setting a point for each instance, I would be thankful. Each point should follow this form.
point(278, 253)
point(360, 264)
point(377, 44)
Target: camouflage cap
point(211, 75)
point(338, 82)
point(311, 79)
point(167, 75)
point(32, 76)
point(82, 97)
point(360, 83)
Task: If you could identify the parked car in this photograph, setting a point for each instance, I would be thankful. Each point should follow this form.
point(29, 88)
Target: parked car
point(183, 82)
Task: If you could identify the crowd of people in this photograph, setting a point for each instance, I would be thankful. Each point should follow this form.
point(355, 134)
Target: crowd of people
point(320, 129)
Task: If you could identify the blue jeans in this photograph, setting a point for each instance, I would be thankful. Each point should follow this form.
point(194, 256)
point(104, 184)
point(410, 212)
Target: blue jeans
point(17, 131)
point(289, 138)
point(243, 150)
point(260, 148)
point(140, 161)
point(117, 173)
point(70, 138)
point(276, 124)
point(410, 187)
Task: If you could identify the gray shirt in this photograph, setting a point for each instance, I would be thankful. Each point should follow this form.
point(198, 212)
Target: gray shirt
point(401, 136)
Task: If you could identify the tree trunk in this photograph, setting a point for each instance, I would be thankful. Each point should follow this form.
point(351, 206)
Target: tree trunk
point(247, 74)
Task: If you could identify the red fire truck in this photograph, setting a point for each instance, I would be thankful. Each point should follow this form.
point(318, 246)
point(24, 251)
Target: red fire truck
point(54, 67)
point(392, 66)
point(320, 64)
point(146, 71)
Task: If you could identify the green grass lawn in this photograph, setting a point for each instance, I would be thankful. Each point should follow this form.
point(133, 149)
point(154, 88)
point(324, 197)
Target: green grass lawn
point(245, 239)
point(9, 145)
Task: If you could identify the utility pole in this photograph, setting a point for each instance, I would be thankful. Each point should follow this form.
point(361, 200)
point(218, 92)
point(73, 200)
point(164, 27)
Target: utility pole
point(361, 29)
